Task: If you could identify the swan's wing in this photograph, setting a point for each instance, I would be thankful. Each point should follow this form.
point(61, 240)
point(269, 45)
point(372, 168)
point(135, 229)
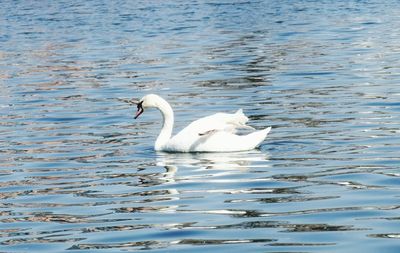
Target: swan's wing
point(216, 133)
point(219, 141)
point(217, 122)
point(225, 142)
point(204, 128)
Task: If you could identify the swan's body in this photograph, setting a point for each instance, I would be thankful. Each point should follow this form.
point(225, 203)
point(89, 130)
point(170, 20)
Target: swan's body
point(215, 133)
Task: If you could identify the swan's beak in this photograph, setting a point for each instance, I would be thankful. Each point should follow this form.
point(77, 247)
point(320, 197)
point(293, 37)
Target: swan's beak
point(139, 109)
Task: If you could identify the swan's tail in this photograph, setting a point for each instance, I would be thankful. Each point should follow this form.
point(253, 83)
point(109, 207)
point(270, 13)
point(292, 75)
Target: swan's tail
point(257, 137)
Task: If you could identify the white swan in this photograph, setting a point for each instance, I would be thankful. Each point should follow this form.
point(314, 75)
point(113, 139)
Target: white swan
point(215, 133)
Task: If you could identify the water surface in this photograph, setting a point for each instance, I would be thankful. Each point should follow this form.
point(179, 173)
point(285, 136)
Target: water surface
point(78, 174)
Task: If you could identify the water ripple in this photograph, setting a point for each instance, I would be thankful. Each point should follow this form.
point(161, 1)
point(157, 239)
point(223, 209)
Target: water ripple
point(77, 172)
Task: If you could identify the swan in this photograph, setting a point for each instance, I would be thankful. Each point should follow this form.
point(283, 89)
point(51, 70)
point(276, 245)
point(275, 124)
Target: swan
point(215, 133)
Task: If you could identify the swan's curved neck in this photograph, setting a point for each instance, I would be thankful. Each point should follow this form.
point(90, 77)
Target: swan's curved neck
point(168, 124)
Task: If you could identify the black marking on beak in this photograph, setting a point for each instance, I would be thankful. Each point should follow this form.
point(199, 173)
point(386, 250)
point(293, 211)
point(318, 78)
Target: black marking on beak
point(139, 109)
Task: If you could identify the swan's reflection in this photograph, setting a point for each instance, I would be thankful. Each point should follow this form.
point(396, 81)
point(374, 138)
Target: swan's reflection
point(233, 162)
point(194, 168)
point(194, 164)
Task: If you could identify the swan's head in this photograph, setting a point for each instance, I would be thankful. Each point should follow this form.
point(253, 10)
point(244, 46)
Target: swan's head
point(147, 101)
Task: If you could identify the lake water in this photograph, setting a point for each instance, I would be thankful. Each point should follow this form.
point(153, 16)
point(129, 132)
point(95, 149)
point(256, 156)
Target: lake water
point(79, 174)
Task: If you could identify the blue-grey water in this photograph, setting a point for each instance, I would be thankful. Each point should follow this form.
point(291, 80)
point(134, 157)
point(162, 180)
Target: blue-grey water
point(78, 173)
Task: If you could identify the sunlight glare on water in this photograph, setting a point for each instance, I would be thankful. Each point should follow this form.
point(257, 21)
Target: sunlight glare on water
point(79, 174)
